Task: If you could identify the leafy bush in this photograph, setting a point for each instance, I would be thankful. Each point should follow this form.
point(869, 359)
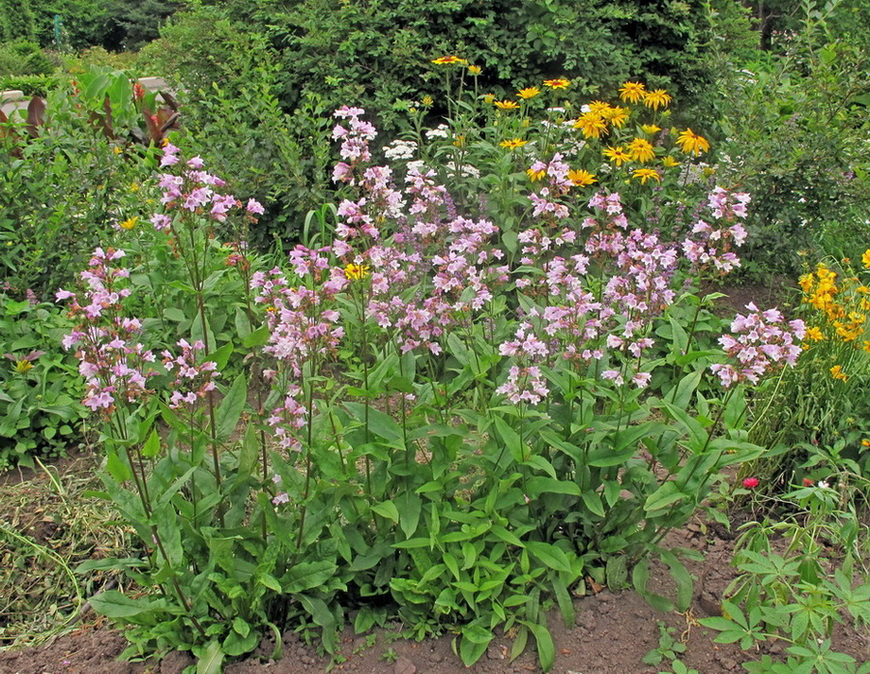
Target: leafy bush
point(32, 85)
point(39, 407)
point(23, 57)
point(795, 126)
point(822, 403)
point(79, 177)
point(800, 576)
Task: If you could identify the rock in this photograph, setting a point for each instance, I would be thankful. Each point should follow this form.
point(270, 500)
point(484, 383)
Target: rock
point(404, 666)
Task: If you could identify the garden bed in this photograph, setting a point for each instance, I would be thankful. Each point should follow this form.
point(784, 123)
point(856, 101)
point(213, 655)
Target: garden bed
point(613, 632)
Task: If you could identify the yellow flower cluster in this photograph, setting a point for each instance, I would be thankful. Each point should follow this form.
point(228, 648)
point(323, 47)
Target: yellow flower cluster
point(843, 307)
point(839, 304)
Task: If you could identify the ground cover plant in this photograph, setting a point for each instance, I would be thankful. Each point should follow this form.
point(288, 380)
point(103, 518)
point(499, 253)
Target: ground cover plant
point(444, 420)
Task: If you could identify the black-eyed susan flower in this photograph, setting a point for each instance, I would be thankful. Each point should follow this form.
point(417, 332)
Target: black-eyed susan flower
point(528, 92)
point(557, 83)
point(632, 92)
point(644, 174)
point(670, 162)
point(657, 98)
point(691, 143)
point(616, 116)
point(356, 272)
point(650, 129)
point(535, 175)
point(581, 178)
point(506, 105)
point(641, 150)
point(617, 154)
point(591, 124)
point(513, 143)
point(865, 258)
point(449, 61)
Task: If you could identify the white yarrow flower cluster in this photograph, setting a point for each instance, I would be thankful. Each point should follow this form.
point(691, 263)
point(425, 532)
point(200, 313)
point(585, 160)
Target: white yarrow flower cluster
point(400, 149)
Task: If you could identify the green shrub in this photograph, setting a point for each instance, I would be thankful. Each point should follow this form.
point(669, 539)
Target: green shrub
point(39, 410)
point(62, 191)
point(31, 85)
point(795, 127)
point(24, 57)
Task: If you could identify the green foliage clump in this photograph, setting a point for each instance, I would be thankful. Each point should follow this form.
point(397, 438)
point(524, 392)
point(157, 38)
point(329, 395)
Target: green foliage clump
point(39, 410)
point(65, 188)
point(794, 122)
point(24, 57)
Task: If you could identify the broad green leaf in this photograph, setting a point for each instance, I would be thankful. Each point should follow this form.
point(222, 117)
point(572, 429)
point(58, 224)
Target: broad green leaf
point(211, 661)
point(544, 643)
point(113, 604)
point(228, 412)
point(550, 555)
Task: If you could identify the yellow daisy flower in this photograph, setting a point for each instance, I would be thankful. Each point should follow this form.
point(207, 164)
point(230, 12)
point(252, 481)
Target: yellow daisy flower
point(670, 162)
point(449, 61)
point(837, 373)
point(507, 105)
point(658, 98)
point(645, 174)
point(632, 92)
point(558, 83)
point(528, 92)
point(591, 124)
point(617, 116)
point(513, 143)
point(581, 178)
point(691, 143)
point(475, 70)
point(641, 150)
point(356, 272)
point(617, 154)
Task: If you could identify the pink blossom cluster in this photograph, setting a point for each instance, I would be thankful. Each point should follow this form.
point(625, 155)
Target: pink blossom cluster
point(112, 363)
point(194, 190)
point(194, 377)
point(761, 342)
point(288, 418)
point(708, 245)
point(300, 319)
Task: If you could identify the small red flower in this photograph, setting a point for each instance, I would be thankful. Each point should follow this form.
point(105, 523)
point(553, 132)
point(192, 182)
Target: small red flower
point(750, 482)
point(808, 482)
